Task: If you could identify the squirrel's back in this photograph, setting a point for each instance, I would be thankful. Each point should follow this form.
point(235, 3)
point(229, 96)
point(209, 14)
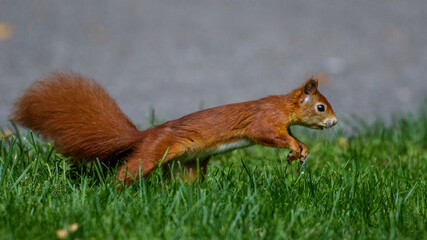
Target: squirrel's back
point(79, 115)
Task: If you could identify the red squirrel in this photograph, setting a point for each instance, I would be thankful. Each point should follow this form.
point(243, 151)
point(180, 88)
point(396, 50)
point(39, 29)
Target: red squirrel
point(86, 123)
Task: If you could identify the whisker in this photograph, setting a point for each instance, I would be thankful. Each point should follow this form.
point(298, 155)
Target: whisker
point(333, 133)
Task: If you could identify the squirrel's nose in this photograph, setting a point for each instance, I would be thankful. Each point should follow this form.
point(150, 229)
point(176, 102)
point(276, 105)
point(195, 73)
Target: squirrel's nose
point(334, 121)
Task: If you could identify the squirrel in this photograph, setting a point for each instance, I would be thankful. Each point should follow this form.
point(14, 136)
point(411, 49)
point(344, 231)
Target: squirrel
point(86, 123)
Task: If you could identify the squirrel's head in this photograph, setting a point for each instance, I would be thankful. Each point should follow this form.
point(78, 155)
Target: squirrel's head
point(314, 109)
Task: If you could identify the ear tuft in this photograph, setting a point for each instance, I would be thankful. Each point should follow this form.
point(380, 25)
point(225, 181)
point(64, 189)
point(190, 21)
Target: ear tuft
point(310, 86)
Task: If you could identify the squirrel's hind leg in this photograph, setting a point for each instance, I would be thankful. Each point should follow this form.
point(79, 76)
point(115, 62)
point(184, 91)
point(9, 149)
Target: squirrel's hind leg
point(187, 172)
point(192, 173)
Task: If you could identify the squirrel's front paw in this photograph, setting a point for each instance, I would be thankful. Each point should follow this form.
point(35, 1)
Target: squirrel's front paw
point(292, 156)
point(303, 156)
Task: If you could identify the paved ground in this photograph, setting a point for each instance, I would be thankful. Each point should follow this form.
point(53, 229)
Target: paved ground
point(177, 55)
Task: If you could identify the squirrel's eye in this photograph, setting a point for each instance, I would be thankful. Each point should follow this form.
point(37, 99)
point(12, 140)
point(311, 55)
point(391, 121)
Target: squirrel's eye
point(320, 108)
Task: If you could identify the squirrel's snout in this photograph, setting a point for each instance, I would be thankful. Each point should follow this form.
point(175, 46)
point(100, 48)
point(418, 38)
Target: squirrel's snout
point(334, 122)
point(331, 122)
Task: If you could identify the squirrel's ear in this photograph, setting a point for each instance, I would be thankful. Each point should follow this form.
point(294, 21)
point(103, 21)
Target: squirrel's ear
point(310, 86)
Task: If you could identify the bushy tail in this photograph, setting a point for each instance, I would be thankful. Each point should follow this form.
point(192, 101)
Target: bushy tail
point(79, 115)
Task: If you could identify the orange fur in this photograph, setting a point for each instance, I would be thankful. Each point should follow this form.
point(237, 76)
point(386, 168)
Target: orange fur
point(77, 113)
point(85, 122)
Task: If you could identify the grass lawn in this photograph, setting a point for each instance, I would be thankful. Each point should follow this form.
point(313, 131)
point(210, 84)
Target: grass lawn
point(372, 184)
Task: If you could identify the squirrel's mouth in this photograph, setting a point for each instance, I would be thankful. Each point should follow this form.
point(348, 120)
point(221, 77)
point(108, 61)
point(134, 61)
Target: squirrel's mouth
point(329, 123)
point(319, 127)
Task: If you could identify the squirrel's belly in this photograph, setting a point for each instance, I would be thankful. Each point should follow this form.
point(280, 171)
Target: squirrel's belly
point(218, 149)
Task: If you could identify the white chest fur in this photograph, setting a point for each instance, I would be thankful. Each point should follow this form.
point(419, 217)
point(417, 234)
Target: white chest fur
point(218, 149)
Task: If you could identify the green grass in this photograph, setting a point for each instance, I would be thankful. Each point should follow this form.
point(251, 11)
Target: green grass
point(370, 185)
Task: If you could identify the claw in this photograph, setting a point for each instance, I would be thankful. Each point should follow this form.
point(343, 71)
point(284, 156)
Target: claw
point(292, 157)
point(302, 159)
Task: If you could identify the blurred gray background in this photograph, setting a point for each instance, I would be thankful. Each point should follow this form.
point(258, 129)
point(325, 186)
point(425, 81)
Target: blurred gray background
point(179, 56)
